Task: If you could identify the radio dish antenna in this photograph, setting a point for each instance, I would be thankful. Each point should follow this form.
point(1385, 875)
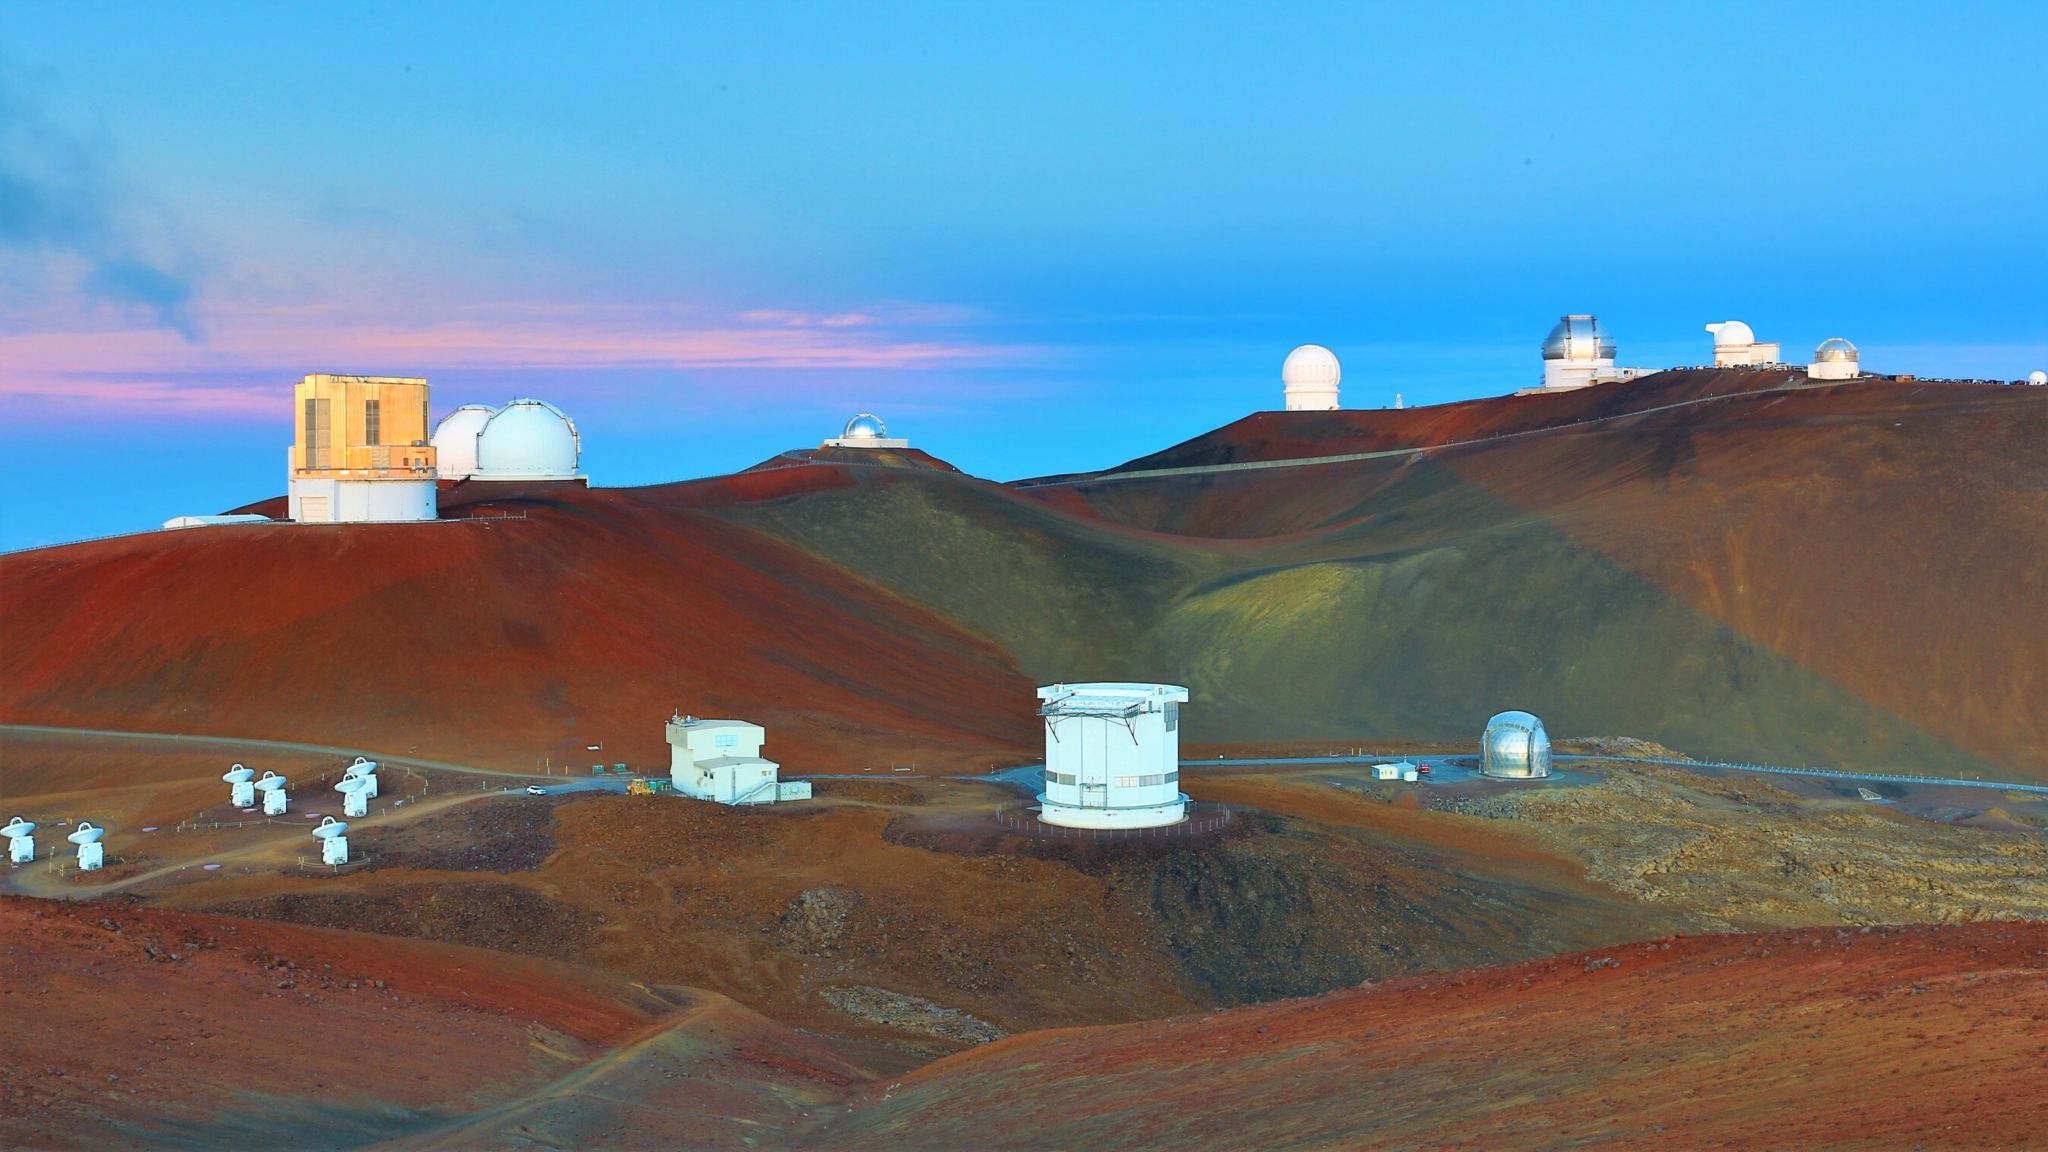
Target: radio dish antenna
point(275, 800)
point(241, 793)
point(333, 835)
point(91, 853)
point(355, 794)
point(21, 840)
point(365, 766)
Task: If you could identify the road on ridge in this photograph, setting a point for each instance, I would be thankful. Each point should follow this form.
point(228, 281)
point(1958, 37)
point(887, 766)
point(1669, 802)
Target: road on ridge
point(233, 742)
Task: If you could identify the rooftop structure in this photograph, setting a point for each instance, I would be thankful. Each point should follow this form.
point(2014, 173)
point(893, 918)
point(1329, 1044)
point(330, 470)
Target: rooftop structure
point(1112, 755)
point(360, 452)
point(1310, 376)
point(720, 760)
point(1735, 343)
point(865, 430)
point(1835, 359)
point(1514, 747)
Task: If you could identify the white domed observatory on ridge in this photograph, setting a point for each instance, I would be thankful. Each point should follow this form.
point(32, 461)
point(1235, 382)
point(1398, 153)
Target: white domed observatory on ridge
point(1835, 359)
point(526, 440)
point(865, 430)
point(1735, 344)
point(1579, 353)
point(1309, 377)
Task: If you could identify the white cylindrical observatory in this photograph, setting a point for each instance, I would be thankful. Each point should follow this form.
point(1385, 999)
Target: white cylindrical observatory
point(1112, 755)
point(1310, 375)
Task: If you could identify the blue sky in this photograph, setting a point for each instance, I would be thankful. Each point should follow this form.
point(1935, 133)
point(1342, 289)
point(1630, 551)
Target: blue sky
point(1036, 238)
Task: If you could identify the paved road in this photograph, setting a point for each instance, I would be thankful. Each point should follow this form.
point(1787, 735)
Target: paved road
point(233, 743)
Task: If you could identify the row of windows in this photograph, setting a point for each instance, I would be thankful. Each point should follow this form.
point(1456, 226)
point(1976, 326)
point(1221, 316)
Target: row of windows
point(1068, 779)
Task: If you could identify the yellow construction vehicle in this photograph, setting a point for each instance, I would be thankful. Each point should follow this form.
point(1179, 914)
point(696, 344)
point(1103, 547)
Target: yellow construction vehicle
point(640, 786)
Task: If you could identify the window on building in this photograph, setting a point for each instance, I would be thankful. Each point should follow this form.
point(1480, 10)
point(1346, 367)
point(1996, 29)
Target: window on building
point(373, 422)
point(1127, 781)
point(1065, 779)
point(1173, 716)
point(318, 430)
point(725, 740)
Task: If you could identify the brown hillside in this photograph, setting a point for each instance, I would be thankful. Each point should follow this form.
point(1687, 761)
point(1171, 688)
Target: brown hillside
point(503, 642)
point(1878, 1038)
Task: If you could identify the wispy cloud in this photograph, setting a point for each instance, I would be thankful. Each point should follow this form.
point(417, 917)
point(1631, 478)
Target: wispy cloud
point(251, 357)
point(68, 227)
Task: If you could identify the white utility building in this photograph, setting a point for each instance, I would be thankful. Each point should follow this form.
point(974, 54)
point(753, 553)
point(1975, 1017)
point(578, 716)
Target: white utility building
point(865, 430)
point(1735, 344)
point(1310, 376)
point(1112, 755)
point(1835, 359)
point(720, 760)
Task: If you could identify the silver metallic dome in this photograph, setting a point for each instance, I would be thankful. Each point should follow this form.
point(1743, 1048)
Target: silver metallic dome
point(866, 426)
point(1578, 337)
point(1515, 747)
point(1836, 349)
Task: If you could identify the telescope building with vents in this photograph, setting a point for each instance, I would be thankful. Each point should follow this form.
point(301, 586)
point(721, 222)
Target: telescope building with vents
point(1112, 755)
point(360, 453)
point(1735, 344)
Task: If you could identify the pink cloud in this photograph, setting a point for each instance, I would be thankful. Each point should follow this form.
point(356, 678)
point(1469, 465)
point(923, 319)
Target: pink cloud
point(253, 354)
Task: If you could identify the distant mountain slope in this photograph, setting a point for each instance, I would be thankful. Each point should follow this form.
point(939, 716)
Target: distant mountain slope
point(1846, 575)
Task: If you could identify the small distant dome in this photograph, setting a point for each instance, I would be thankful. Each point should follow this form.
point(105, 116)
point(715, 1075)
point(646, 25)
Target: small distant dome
point(865, 426)
point(528, 440)
point(1515, 747)
point(1834, 349)
point(455, 440)
point(1311, 366)
point(2037, 379)
point(1729, 332)
point(1578, 337)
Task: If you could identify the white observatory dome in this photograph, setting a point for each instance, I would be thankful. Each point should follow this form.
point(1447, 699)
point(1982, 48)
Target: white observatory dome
point(1312, 366)
point(1835, 350)
point(865, 426)
point(2037, 378)
point(1310, 375)
point(455, 440)
point(1732, 333)
point(1579, 337)
point(528, 440)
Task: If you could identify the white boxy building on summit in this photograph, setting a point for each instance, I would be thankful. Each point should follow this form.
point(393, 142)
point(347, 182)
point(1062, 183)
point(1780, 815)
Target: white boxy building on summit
point(1112, 755)
point(720, 761)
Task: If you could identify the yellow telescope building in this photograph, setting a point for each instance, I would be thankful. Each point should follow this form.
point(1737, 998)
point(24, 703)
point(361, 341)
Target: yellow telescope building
point(362, 452)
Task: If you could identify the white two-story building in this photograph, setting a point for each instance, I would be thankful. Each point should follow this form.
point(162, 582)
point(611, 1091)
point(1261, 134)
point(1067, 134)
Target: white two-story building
point(720, 760)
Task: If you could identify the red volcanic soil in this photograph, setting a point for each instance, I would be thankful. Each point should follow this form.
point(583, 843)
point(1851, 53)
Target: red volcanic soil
point(502, 642)
point(131, 1027)
point(1876, 1038)
point(910, 458)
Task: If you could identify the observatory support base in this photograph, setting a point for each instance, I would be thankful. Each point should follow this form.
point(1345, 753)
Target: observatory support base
point(334, 850)
point(243, 795)
point(355, 803)
point(91, 856)
point(20, 849)
point(274, 802)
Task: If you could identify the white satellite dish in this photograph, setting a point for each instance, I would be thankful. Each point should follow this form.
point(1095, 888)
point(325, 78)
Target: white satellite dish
point(238, 775)
point(352, 784)
point(366, 766)
point(86, 834)
point(330, 828)
point(271, 782)
point(17, 828)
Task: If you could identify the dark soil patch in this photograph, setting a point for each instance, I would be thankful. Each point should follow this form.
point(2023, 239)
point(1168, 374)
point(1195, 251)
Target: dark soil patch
point(869, 791)
point(505, 917)
point(515, 835)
